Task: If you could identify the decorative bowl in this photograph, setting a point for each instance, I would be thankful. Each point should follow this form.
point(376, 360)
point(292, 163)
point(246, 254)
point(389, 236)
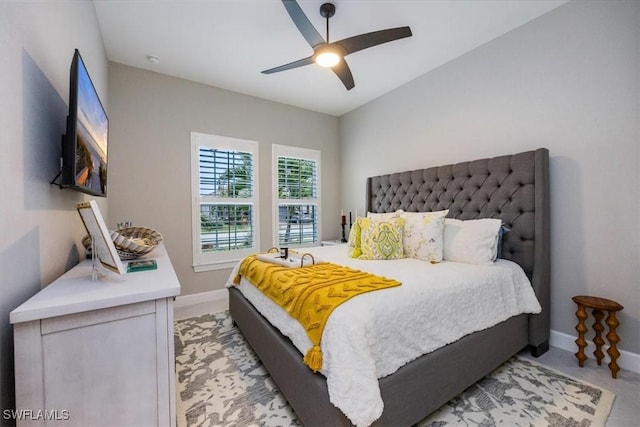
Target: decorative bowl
point(131, 242)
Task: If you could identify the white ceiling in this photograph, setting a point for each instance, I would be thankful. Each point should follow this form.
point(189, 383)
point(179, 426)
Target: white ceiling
point(227, 43)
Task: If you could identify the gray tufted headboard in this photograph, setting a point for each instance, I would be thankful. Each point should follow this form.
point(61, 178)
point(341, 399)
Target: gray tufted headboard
point(513, 188)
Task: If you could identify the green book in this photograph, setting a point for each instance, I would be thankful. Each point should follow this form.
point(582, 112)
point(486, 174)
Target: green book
point(142, 265)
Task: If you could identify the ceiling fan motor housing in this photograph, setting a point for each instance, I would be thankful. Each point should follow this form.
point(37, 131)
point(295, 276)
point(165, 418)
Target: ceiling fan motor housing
point(327, 10)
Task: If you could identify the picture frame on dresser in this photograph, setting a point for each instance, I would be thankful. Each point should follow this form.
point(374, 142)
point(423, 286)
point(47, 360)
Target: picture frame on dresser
point(105, 250)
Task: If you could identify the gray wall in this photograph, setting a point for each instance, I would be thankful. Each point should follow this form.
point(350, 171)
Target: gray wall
point(567, 81)
point(149, 156)
point(39, 226)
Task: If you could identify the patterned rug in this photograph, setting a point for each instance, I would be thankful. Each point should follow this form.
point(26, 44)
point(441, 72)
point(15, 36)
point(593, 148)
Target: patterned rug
point(221, 382)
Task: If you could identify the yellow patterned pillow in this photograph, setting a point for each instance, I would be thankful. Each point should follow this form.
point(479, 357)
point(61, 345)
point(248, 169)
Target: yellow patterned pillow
point(381, 240)
point(354, 244)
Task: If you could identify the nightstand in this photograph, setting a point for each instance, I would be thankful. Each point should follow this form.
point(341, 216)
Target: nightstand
point(598, 305)
point(332, 242)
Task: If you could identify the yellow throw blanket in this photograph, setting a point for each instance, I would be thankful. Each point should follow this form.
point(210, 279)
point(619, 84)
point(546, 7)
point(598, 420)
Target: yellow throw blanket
point(310, 294)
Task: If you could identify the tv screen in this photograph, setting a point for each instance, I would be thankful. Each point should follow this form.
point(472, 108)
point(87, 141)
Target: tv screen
point(84, 147)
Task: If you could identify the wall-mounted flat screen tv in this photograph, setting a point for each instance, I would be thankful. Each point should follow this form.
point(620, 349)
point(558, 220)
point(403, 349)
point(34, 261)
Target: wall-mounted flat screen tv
point(84, 146)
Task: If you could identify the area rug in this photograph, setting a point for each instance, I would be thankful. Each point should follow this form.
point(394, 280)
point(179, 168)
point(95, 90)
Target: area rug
point(221, 382)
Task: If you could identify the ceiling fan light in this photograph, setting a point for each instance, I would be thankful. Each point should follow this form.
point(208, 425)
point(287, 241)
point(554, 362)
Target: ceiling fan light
point(327, 58)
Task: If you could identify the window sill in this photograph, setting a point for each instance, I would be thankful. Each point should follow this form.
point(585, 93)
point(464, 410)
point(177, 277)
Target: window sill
point(223, 265)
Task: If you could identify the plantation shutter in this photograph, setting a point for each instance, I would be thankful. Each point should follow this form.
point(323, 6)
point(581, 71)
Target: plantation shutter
point(226, 191)
point(298, 197)
point(225, 199)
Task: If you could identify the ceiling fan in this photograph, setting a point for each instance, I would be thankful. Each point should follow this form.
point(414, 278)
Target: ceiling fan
point(332, 55)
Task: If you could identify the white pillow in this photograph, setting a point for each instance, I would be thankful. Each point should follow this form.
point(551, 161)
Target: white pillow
point(423, 235)
point(379, 217)
point(472, 241)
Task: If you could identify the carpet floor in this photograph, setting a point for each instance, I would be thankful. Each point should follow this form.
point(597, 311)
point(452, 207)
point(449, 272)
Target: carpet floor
point(221, 382)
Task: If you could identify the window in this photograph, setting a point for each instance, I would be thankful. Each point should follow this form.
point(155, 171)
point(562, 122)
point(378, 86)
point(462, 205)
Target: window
point(224, 190)
point(296, 190)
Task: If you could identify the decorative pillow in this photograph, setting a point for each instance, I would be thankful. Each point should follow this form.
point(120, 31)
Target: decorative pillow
point(354, 245)
point(384, 216)
point(382, 240)
point(423, 235)
point(472, 241)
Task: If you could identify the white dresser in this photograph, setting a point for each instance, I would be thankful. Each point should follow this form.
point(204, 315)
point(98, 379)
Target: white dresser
point(98, 353)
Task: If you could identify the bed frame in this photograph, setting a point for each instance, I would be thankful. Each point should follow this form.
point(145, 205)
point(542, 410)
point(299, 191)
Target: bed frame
point(514, 188)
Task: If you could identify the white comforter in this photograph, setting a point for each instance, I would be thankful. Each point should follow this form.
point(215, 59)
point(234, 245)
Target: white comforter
point(374, 334)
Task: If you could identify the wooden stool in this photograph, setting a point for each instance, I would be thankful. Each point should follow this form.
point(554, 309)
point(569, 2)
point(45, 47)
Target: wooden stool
point(597, 305)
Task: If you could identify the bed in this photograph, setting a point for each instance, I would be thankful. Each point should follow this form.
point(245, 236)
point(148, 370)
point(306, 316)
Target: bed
point(513, 188)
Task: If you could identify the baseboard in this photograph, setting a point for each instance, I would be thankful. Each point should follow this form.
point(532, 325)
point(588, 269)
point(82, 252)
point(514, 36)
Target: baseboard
point(627, 360)
point(219, 295)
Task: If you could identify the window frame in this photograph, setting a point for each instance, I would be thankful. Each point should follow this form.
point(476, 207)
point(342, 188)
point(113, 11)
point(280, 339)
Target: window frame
point(229, 258)
point(277, 151)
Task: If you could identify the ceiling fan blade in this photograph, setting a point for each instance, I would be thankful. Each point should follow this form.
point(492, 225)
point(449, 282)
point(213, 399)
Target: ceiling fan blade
point(343, 72)
point(306, 28)
point(363, 41)
point(291, 65)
